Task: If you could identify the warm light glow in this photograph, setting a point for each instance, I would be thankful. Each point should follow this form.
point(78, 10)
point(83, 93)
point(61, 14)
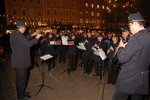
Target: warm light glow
point(86, 4)
point(92, 5)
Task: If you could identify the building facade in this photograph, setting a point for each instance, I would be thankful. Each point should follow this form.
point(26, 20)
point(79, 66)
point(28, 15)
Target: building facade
point(76, 13)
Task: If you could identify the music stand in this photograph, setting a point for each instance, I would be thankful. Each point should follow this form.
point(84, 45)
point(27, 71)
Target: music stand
point(45, 57)
point(103, 56)
point(68, 68)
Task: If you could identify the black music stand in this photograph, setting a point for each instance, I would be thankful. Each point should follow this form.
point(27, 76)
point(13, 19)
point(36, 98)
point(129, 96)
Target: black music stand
point(45, 57)
point(67, 70)
point(103, 57)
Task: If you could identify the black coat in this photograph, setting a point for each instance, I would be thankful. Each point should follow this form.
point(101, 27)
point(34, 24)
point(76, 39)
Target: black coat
point(20, 50)
point(135, 60)
point(49, 49)
point(72, 50)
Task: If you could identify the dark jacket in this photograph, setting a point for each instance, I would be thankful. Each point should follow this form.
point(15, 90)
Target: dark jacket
point(72, 50)
point(49, 49)
point(135, 60)
point(20, 50)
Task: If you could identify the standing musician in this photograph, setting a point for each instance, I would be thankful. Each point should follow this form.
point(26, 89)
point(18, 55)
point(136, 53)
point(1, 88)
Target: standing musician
point(50, 49)
point(61, 49)
point(112, 66)
point(87, 59)
point(20, 58)
point(72, 53)
point(134, 57)
point(98, 63)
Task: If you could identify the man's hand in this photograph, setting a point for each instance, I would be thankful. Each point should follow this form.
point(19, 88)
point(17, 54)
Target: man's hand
point(121, 44)
point(38, 36)
point(34, 34)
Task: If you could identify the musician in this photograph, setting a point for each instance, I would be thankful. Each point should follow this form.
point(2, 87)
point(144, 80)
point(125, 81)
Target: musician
point(134, 57)
point(98, 63)
point(21, 60)
point(112, 66)
point(61, 49)
point(125, 34)
point(72, 52)
point(87, 59)
point(50, 49)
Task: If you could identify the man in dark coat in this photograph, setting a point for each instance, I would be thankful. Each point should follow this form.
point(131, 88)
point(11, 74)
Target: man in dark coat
point(135, 59)
point(98, 62)
point(21, 57)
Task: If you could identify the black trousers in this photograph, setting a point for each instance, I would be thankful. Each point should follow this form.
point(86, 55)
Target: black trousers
point(124, 96)
point(88, 63)
point(113, 71)
point(98, 67)
point(21, 81)
point(51, 63)
point(72, 62)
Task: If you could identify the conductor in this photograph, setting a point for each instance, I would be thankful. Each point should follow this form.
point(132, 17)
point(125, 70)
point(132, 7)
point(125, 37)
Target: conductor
point(135, 59)
point(21, 57)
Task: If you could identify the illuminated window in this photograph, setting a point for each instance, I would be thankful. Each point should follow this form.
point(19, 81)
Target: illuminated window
point(86, 4)
point(98, 14)
point(14, 11)
point(87, 20)
point(97, 6)
point(92, 5)
point(92, 13)
point(86, 12)
point(103, 7)
point(81, 20)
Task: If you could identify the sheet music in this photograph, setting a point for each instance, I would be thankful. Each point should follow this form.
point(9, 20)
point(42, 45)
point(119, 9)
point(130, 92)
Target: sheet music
point(100, 53)
point(52, 42)
point(46, 57)
point(64, 40)
point(81, 46)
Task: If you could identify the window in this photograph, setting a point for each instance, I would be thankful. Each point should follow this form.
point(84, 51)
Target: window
point(87, 20)
point(92, 5)
point(55, 12)
point(66, 4)
point(86, 12)
point(48, 12)
point(81, 20)
point(39, 13)
point(92, 13)
point(23, 12)
point(67, 13)
point(97, 6)
point(103, 7)
point(14, 0)
point(98, 14)
point(86, 4)
point(14, 11)
point(54, 3)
